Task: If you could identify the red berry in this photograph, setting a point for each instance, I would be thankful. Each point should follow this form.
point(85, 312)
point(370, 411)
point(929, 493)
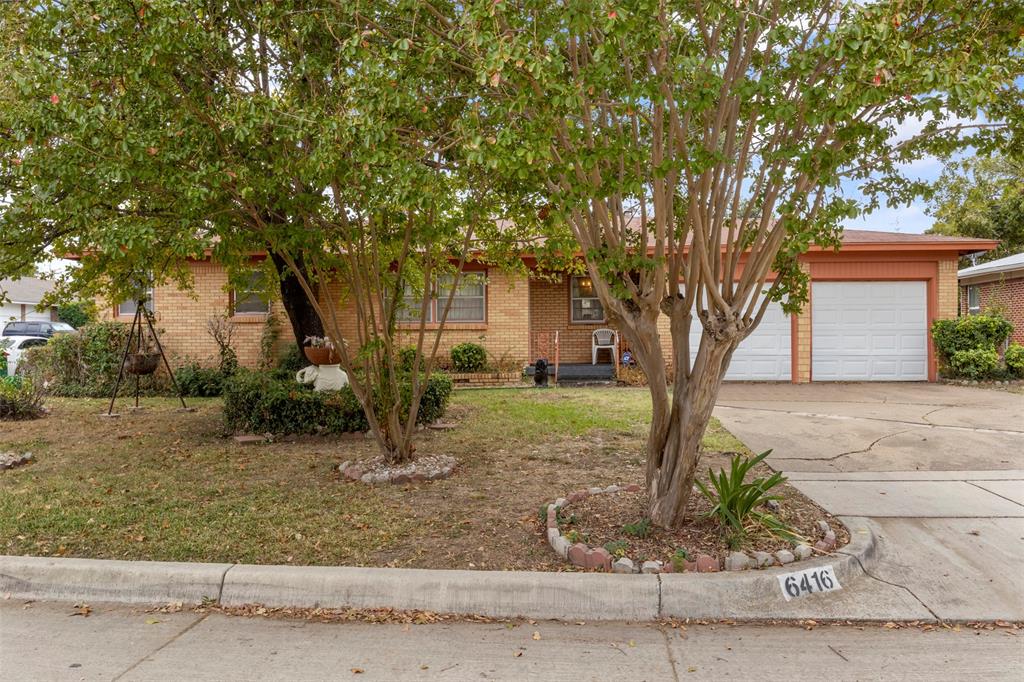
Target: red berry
point(54, 99)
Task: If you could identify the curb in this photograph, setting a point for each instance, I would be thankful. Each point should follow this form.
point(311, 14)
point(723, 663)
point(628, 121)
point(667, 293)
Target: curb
point(503, 594)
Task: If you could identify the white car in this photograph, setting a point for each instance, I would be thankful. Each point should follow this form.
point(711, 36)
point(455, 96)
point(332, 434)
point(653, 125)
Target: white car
point(14, 346)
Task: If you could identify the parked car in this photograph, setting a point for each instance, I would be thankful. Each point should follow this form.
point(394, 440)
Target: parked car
point(37, 328)
point(14, 346)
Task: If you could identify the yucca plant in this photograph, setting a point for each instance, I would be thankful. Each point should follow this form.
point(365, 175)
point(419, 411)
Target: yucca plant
point(737, 502)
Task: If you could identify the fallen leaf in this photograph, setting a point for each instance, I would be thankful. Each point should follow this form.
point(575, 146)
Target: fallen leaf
point(152, 621)
point(518, 654)
point(357, 671)
point(536, 635)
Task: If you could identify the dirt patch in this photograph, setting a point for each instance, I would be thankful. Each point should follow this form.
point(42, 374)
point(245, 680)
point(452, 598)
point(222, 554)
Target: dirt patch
point(618, 522)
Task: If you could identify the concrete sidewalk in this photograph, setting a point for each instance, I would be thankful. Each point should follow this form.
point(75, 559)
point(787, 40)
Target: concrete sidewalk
point(939, 470)
point(41, 642)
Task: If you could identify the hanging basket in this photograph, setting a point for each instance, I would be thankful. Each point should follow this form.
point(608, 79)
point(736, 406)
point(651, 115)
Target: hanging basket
point(321, 356)
point(142, 364)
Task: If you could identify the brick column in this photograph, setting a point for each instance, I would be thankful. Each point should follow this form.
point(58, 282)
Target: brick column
point(802, 359)
point(946, 289)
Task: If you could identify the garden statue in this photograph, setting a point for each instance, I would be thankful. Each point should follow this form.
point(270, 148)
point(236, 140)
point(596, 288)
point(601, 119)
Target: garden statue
point(323, 377)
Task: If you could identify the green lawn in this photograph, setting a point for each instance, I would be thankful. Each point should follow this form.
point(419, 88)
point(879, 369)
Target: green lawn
point(165, 485)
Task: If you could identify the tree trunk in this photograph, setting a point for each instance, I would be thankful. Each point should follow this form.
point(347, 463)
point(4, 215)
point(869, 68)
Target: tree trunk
point(301, 313)
point(674, 451)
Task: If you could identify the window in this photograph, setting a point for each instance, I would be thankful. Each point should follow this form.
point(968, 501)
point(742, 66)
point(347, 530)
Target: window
point(411, 306)
point(249, 300)
point(973, 300)
point(586, 306)
point(32, 343)
point(470, 301)
point(469, 304)
point(127, 308)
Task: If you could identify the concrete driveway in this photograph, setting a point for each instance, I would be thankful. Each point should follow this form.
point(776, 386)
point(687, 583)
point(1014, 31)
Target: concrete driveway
point(939, 470)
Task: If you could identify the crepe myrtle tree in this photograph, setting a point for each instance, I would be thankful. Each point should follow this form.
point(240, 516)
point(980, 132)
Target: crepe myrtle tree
point(330, 136)
point(696, 149)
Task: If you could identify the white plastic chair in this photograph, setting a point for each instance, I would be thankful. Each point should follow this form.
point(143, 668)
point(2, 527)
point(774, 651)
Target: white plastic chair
point(604, 339)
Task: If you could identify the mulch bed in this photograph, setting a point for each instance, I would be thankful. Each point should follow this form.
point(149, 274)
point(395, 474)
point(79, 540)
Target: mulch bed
point(599, 519)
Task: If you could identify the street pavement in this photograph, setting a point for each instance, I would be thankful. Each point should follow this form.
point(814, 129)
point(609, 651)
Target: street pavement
point(51, 642)
point(938, 469)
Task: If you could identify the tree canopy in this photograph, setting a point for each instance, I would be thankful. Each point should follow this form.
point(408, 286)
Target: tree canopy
point(982, 196)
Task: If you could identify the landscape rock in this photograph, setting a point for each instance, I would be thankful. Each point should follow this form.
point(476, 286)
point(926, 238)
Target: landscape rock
point(651, 567)
point(595, 490)
point(802, 551)
point(623, 565)
point(561, 502)
point(578, 495)
point(553, 534)
point(827, 543)
point(762, 559)
point(577, 554)
point(785, 557)
point(598, 558)
point(823, 526)
point(633, 488)
point(561, 546)
point(707, 564)
point(738, 561)
point(612, 489)
point(773, 505)
point(552, 516)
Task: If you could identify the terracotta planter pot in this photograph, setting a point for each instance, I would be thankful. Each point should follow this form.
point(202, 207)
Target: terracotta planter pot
point(142, 364)
point(321, 356)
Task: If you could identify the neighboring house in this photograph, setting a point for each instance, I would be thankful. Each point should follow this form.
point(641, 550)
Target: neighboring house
point(19, 299)
point(871, 307)
point(995, 285)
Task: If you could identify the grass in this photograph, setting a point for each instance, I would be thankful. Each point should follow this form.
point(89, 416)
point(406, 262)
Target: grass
point(164, 485)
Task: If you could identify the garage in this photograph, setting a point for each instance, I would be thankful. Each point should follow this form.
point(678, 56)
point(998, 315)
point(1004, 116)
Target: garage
point(869, 331)
point(765, 355)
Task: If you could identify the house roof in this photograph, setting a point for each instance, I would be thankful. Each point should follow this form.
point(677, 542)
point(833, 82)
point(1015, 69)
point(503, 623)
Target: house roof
point(994, 267)
point(27, 290)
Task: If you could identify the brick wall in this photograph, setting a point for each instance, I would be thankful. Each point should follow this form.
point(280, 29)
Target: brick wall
point(182, 316)
point(505, 333)
point(803, 336)
point(1006, 296)
point(549, 312)
point(946, 294)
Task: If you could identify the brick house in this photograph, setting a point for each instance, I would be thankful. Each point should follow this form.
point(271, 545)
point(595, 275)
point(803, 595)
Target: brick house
point(871, 305)
point(995, 285)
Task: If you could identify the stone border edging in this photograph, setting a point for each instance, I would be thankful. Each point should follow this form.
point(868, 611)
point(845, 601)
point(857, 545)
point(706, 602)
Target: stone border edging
point(582, 555)
point(504, 594)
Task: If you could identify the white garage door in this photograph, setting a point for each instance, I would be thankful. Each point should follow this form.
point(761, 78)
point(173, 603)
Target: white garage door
point(869, 331)
point(8, 312)
point(34, 315)
point(765, 355)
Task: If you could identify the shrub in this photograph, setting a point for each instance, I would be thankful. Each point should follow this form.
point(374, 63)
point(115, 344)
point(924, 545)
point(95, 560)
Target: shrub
point(406, 358)
point(21, 398)
point(85, 365)
point(736, 501)
point(468, 357)
point(197, 381)
point(292, 360)
point(1014, 358)
point(969, 333)
point(976, 363)
point(77, 314)
point(257, 402)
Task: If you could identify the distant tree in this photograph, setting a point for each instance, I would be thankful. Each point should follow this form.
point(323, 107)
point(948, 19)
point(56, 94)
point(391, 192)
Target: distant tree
point(982, 196)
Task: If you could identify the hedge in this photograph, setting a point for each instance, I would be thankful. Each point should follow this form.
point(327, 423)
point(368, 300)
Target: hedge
point(261, 402)
point(85, 364)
